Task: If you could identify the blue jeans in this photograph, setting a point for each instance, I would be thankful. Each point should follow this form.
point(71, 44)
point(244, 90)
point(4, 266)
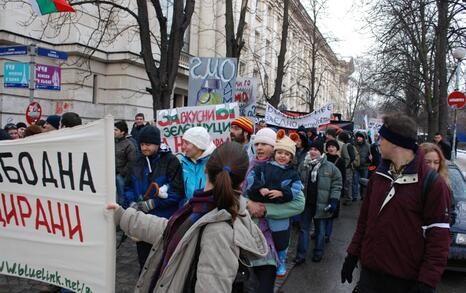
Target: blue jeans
point(361, 172)
point(304, 226)
point(320, 236)
point(329, 228)
point(120, 188)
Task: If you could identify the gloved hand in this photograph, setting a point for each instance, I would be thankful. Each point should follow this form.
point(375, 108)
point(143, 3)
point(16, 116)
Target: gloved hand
point(146, 205)
point(163, 191)
point(351, 262)
point(422, 288)
point(333, 205)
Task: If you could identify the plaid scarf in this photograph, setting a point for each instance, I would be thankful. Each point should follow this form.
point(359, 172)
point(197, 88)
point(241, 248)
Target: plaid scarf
point(315, 167)
point(200, 204)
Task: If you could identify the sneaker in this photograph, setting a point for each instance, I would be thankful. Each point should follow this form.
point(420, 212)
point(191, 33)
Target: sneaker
point(299, 260)
point(316, 258)
point(281, 270)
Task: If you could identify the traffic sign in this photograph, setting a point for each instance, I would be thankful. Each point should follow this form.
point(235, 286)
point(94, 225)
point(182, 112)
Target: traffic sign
point(16, 75)
point(52, 53)
point(13, 50)
point(456, 99)
point(33, 113)
point(48, 77)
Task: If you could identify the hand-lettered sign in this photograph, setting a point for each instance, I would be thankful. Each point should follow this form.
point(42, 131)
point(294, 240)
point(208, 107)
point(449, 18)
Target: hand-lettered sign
point(216, 119)
point(53, 192)
point(211, 81)
point(245, 96)
point(318, 117)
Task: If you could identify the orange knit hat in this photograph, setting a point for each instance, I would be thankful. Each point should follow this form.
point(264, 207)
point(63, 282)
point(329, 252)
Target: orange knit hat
point(244, 123)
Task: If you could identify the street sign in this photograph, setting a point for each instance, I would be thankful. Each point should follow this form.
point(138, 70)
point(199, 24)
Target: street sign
point(456, 99)
point(52, 53)
point(33, 113)
point(13, 50)
point(48, 77)
point(16, 75)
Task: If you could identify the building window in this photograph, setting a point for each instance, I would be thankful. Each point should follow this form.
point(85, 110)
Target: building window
point(94, 88)
point(257, 43)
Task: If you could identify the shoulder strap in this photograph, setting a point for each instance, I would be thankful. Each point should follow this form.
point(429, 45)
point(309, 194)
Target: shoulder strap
point(427, 183)
point(191, 278)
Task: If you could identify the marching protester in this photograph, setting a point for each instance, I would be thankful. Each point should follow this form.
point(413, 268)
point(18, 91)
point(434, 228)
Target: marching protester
point(374, 157)
point(12, 130)
point(433, 156)
point(331, 134)
point(402, 236)
point(125, 156)
point(156, 185)
point(277, 181)
point(302, 147)
point(360, 170)
point(349, 156)
point(32, 130)
point(139, 124)
point(443, 144)
point(51, 123)
point(70, 119)
point(199, 247)
point(241, 130)
point(322, 188)
point(198, 148)
point(265, 269)
point(21, 128)
point(332, 147)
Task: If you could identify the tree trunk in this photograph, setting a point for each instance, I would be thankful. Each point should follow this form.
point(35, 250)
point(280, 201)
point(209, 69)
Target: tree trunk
point(234, 43)
point(275, 99)
point(441, 64)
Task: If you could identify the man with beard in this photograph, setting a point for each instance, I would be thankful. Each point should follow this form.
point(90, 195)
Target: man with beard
point(241, 130)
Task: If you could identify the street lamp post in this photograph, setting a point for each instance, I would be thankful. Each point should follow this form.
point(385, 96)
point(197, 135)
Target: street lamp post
point(459, 54)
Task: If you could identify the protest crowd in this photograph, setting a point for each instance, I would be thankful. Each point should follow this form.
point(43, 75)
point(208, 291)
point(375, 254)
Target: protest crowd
point(219, 218)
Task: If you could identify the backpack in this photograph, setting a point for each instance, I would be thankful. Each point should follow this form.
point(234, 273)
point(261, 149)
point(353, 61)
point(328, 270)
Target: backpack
point(243, 283)
point(357, 157)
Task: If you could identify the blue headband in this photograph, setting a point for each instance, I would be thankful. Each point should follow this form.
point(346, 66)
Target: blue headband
point(227, 168)
point(397, 139)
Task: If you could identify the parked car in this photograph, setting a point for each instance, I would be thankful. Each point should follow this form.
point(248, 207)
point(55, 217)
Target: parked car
point(457, 254)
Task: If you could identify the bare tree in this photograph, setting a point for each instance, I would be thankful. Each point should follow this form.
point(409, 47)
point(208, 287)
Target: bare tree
point(275, 99)
point(161, 41)
point(234, 42)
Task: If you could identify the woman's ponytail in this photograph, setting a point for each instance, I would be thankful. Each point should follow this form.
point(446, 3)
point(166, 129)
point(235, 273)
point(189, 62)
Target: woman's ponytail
point(227, 169)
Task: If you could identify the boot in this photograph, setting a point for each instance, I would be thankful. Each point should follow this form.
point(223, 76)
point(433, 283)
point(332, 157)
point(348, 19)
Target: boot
point(281, 269)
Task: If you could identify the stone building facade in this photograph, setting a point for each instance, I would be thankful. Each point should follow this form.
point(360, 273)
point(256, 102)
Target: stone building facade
point(108, 77)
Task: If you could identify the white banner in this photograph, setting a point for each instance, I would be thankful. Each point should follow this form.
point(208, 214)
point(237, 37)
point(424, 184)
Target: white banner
point(53, 224)
point(246, 96)
point(314, 119)
point(216, 119)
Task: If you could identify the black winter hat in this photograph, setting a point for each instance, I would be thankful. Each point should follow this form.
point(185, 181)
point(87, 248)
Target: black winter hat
point(318, 145)
point(301, 128)
point(360, 134)
point(332, 142)
point(150, 134)
point(21, 125)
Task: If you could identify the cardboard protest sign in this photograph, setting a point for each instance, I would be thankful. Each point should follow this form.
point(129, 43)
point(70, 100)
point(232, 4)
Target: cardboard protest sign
point(53, 192)
point(211, 81)
point(245, 96)
point(318, 117)
point(216, 119)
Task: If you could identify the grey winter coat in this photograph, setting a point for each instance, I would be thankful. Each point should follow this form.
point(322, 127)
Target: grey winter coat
point(220, 248)
point(125, 155)
point(329, 184)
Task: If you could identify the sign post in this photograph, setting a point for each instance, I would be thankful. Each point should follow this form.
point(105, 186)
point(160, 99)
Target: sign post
point(32, 72)
point(456, 100)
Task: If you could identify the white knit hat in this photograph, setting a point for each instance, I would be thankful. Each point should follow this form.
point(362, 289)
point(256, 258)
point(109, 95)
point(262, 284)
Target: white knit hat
point(198, 136)
point(286, 143)
point(265, 135)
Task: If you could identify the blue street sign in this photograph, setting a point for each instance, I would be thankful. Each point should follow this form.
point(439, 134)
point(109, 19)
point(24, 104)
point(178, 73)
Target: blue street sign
point(13, 50)
point(16, 74)
point(52, 53)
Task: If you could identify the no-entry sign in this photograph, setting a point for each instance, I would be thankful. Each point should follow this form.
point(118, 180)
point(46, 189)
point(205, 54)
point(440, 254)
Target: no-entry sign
point(456, 99)
point(33, 113)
